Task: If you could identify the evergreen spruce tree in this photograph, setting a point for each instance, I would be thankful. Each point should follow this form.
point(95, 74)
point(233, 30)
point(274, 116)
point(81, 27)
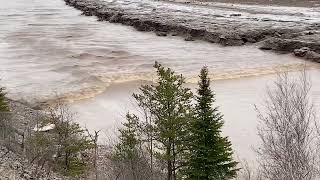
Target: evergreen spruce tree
point(70, 140)
point(210, 155)
point(129, 145)
point(169, 104)
point(5, 122)
point(3, 102)
point(128, 150)
point(73, 143)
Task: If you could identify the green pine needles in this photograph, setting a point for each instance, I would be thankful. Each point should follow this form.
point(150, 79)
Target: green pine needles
point(169, 104)
point(184, 136)
point(129, 145)
point(210, 156)
point(4, 107)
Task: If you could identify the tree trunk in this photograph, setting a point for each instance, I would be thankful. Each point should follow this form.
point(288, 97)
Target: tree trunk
point(67, 160)
point(151, 150)
point(174, 161)
point(96, 153)
point(169, 170)
point(169, 161)
point(133, 170)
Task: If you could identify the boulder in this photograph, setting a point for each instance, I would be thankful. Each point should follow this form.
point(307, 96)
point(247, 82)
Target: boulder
point(115, 18)
point(161, 33)
point(235, 15)
point(189, 38)
point(301, 52)
point(311, 55)
point(307, 53)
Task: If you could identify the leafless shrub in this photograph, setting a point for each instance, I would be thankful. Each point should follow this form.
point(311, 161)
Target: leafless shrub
point(246, 172)
point(111, 167)
point(94, 138)
point(286, 131)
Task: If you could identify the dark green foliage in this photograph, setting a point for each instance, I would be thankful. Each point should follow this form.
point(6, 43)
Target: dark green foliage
point(5, 120)
point(210, 155)
point(72, 141)
point(130, 143)
point(4, 107)
point(128, 157)
point(40, 150)
point(62, 148)
point(169, 106)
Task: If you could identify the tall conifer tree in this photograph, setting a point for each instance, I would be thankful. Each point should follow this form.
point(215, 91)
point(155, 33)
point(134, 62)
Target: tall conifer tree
point(129, 145)
point(210, 155)
point(128, 150)
point(169, 104)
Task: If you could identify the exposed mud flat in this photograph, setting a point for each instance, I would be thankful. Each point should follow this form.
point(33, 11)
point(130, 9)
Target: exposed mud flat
point(280, 29)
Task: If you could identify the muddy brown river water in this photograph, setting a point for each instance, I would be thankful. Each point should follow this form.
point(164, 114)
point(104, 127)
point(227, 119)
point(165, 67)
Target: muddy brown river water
point(48, 49)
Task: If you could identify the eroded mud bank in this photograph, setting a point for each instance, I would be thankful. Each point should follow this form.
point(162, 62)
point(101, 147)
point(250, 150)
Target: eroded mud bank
point(272, 29)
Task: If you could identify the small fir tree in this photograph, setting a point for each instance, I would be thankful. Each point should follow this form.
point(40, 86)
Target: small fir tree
point(210, 155)
point(5, 122)
point(4, 107)
point(128, 150)
point(71, 141)
point(129, 145)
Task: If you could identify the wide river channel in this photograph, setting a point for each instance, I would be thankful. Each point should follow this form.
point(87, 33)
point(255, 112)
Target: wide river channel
point(48, 49)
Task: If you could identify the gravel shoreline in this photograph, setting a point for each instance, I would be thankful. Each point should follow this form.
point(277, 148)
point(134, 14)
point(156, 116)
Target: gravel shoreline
point(289, 3)
point(233, 29)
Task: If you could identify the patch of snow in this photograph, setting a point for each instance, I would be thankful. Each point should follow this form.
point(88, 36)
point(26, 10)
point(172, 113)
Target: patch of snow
point(45, 128)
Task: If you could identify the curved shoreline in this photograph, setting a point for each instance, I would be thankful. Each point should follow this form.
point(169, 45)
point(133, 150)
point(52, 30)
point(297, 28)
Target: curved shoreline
point(289, 3)
point(277, 35)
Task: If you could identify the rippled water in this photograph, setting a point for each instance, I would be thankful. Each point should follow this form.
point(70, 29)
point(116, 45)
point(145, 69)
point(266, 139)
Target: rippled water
point(48, 48)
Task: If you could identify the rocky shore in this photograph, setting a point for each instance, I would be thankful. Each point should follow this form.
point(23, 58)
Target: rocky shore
point(13, 163)
point(293, 3)
point(216, 24)
point(14, 167)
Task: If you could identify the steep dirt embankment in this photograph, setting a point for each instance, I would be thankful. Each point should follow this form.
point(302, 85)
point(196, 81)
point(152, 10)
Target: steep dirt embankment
point(274, 29)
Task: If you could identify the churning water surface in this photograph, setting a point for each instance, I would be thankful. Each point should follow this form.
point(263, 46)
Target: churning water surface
point(48, 49)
